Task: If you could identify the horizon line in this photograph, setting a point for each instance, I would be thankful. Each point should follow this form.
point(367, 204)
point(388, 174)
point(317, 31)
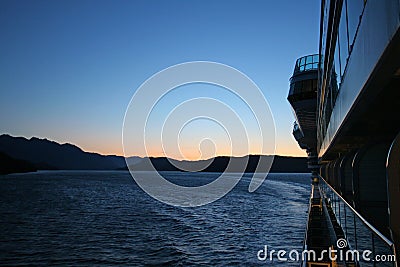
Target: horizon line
point(148, 156)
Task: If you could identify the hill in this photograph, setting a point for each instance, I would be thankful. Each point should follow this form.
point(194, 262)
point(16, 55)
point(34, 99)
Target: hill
point(47, 154)
point(11, 165)
point(280, 164)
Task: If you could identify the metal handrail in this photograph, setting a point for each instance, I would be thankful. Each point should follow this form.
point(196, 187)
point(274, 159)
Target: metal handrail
point(304, 263)
point(371, 227)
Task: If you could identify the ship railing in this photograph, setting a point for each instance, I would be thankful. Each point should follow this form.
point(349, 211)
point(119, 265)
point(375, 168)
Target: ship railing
point(360, 235)
point(304, 262)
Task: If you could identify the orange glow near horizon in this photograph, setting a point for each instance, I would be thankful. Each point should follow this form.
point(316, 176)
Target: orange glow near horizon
point(115, 148)
point(112, 145)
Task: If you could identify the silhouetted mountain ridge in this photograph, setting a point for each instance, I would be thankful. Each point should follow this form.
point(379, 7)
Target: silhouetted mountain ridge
point(219, 164)
point(48, 155)
point(11, 165)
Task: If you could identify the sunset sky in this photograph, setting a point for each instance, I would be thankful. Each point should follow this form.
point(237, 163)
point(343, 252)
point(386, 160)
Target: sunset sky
point(70, 68)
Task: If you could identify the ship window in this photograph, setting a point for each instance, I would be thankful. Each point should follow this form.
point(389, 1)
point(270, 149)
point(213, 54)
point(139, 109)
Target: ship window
point(302, 61)
point(343, 40)
point(306, 86)
point(314, 86)
point(337, 69)
point(298, 87)
point(309, 59)
point(354, 12)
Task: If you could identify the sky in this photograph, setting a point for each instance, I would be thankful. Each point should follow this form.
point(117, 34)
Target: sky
point(68, 69)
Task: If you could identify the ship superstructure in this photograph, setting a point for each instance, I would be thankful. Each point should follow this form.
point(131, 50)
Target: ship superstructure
point(353, 143)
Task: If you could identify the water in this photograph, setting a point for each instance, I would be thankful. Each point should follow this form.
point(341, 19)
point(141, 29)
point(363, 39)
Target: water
point(104, 218)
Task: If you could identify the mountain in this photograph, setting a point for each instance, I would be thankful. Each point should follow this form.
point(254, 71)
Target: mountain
point(11, 165)
point(50, 155)
point(280, 164)
point(46, 154)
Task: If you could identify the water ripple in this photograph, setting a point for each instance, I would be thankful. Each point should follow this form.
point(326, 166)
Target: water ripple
point(103, 218)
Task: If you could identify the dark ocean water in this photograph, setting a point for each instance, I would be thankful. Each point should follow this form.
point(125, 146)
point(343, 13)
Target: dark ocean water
point(104, 218)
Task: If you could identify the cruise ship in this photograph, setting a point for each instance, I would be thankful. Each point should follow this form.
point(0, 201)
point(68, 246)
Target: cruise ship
point(345, 99)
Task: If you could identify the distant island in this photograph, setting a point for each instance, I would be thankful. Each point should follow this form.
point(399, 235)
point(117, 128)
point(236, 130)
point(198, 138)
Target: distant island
point(19, 154)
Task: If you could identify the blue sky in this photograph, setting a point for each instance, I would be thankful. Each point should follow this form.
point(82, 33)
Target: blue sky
point(68, 69)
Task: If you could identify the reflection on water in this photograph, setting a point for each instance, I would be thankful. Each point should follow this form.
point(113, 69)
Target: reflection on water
point(82, 218)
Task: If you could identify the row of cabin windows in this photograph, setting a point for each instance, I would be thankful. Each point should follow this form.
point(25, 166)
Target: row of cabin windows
point(305, 86)
point(350, 18)
point(307, 63)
